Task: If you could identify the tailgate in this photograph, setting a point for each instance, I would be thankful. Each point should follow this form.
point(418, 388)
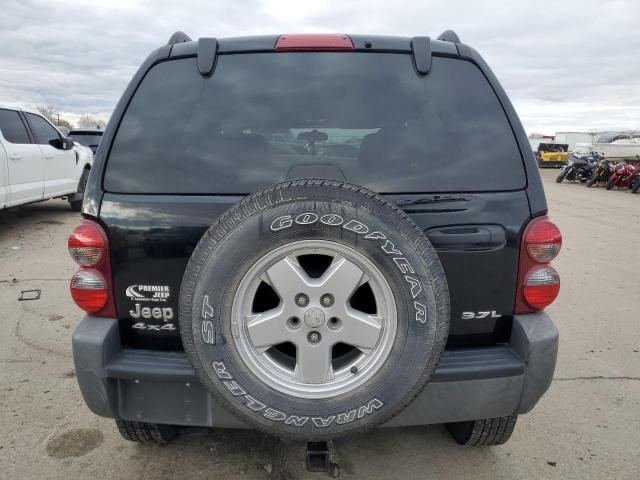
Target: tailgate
point(476, 236)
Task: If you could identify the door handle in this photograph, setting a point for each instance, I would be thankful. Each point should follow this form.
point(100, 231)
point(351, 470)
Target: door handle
point(48, 155)
point(468, 237)
point(15, 156)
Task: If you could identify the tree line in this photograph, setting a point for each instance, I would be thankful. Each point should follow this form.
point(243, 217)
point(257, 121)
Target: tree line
point(85, 121)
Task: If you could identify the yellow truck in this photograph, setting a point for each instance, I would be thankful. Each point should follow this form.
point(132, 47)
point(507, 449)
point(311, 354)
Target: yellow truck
point(552, 154)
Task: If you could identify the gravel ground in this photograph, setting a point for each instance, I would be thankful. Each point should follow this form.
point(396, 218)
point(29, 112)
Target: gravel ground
point(586, 426)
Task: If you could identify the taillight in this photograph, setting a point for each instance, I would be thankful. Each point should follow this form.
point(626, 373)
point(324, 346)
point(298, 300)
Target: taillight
point(543, 240)
point(541, 287)
point(313, 41)
point(91, 287)
point(89, 290)
point(538, 282)
point(87, 244)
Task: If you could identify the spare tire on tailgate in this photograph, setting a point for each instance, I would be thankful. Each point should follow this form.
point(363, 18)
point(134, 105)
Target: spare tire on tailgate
point(314, 309)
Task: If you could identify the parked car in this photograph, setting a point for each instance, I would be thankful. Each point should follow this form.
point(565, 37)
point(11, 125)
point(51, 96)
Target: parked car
point(310, 296)
point(89, 137)
point(37, 162)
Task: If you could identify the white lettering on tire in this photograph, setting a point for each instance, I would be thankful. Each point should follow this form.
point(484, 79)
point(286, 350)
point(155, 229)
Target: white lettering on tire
point(208, 332)
point(277, 415)
point(356, 226)
point(307, 218)
point(332, 219)
point(281, 223)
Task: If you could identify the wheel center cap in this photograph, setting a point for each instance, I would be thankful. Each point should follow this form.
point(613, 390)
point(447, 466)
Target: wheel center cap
point(314, 317)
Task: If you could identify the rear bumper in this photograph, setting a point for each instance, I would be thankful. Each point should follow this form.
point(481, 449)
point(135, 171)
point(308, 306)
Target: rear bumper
point(161, 387)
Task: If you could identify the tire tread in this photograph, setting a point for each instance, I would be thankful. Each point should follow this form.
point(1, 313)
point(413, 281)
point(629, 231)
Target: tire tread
point(148, 433)
point(491, 431)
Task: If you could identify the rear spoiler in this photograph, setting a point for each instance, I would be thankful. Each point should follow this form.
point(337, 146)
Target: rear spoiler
point(421, 48)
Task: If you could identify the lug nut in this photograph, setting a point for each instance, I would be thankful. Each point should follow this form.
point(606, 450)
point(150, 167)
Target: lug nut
point(327, 300)
point(314, 337)
point(302, 300)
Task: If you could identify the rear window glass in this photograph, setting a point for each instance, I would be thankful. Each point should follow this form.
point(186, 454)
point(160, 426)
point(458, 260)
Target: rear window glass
point(261, 114)
point(86, 138)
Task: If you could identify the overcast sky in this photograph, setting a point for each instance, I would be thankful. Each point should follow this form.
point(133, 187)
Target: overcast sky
point(567, 65)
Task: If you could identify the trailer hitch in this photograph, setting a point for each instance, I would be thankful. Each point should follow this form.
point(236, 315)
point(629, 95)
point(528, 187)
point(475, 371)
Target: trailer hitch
point(318, 458)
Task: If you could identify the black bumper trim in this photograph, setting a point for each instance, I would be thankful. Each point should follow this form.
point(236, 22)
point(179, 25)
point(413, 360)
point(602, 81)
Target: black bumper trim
point(473, 364)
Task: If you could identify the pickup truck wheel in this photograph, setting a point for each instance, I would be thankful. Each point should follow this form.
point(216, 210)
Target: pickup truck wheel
point(150, 433)
point(76, 204)
point(314, 309)
point(483, 433)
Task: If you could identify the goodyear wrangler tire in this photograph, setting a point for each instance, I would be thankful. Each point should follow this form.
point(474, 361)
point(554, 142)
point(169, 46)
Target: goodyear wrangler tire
point(314, 309)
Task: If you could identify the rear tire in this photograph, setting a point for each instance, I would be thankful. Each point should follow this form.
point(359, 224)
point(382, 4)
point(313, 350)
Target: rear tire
point(611, 183)
point(148, 433)
point(636, 185)
point(483, 433)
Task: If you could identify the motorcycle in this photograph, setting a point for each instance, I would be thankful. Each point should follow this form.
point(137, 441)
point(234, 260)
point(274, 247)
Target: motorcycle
point(579, 167)
point(601, 172)
point(623, 175)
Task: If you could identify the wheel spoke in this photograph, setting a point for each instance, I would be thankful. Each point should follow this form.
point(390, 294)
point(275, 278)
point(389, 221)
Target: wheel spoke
point(342, 278)
point(313, 363)
point(267, 329)
point(360, 330)
point(287, 277)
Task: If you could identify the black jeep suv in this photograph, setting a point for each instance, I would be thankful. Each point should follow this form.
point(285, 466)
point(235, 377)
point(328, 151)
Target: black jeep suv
point(314, 235)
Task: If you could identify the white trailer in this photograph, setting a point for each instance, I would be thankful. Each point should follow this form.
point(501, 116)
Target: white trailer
point(572, 138)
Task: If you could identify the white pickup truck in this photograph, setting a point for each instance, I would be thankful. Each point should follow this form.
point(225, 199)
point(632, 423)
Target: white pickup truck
point(37, 162)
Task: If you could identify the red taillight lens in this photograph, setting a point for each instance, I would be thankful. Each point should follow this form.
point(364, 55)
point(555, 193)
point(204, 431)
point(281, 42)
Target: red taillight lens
point(541, 287)
point(313, 41)
point(538, 283)
point(91, 288)
point(543, 241)
point(87, 244)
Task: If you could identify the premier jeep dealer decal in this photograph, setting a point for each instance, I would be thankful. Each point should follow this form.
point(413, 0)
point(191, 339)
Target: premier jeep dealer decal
point(148, 293)
point(387, 246)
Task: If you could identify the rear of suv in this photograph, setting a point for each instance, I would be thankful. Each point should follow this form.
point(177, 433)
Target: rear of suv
point(314, 235)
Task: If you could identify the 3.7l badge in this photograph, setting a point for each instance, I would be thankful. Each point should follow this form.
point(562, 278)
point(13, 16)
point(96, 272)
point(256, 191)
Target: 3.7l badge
point(484, 314)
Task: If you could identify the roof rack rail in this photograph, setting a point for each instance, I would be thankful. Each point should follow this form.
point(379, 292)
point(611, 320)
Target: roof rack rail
point(178, 37)
point(449, 36)
point(421, 48)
